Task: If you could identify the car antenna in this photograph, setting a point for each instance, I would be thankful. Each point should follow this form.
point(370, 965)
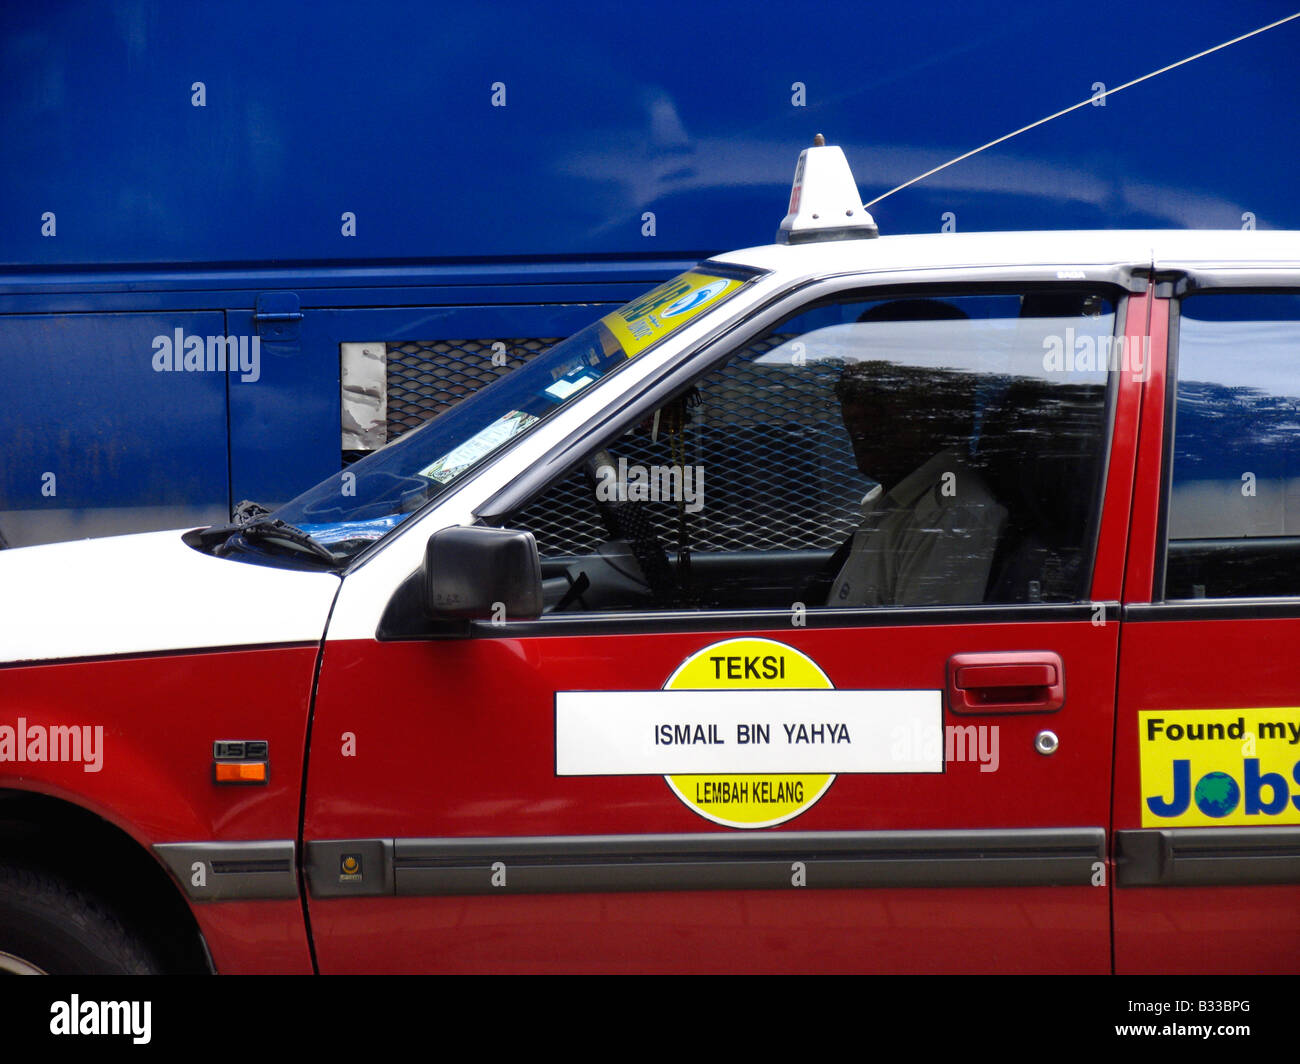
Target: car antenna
point(1082, 103)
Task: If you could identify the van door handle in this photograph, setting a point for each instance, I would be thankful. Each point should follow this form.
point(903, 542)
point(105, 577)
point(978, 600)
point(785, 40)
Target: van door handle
point(1018, 681)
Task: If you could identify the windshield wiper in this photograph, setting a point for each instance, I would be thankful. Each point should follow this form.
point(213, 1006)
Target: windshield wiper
point(248, 510)
point(273, 531)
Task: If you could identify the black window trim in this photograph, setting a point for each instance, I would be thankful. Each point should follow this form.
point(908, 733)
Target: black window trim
point(404, 621)
point(776, 621)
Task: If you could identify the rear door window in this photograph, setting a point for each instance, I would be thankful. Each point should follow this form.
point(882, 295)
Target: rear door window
point(1233, 517)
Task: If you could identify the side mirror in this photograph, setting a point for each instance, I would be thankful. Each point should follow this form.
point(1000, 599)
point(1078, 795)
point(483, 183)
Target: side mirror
point(479, 573)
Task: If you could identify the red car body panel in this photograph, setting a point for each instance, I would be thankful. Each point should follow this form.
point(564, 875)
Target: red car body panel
point(155, 781)
point(475, 757)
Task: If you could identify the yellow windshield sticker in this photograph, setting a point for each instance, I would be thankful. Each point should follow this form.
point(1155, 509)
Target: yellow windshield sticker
point(655, 315)
point(1220, 767)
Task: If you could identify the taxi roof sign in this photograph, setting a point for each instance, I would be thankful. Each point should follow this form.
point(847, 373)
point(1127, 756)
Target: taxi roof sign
point(824, 199)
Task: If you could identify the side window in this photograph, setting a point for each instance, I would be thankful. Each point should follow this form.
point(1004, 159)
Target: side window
point(907, 451)
point(1233, 518)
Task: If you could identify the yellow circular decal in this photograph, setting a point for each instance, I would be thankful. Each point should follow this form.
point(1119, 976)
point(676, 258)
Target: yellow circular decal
point(749, 801)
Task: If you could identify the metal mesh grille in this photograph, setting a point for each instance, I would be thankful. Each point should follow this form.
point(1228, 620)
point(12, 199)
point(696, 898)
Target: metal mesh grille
point(779, 472)
point(778, 468)
point(425, 377)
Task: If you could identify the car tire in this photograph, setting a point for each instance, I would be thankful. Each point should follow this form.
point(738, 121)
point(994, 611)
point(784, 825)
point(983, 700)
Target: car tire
point(49, 926)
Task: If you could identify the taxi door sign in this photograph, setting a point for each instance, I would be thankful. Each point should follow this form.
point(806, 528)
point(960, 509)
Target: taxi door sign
point(1220, 767)
point(747, 732)
point(667, 308)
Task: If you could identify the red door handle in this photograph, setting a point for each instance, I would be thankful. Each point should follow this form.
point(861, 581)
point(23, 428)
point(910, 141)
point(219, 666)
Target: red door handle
point(1022, 681)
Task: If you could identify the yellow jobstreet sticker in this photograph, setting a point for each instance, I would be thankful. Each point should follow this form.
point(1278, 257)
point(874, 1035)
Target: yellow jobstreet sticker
point(667, 308)
point(1219, 767)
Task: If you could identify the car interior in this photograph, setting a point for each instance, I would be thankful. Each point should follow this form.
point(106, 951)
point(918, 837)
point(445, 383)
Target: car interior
point(780, 494)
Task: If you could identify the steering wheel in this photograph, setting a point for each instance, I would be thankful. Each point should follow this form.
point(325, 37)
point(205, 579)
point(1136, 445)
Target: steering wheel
point(631, 521)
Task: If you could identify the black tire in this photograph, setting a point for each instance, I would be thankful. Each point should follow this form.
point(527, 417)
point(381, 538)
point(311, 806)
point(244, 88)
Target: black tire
point(55, 928)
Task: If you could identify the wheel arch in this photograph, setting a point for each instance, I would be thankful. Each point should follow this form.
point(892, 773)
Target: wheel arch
point(100, 858)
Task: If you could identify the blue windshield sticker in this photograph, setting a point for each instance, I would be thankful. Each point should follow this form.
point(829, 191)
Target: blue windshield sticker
point(564, 387)
point(338, 531)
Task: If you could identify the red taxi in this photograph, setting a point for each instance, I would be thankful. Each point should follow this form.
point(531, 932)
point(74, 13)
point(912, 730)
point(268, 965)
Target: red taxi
point(855, 603)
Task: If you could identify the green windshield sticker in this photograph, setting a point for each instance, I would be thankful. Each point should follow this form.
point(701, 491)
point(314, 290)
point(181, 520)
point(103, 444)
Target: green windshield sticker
point(484, 442)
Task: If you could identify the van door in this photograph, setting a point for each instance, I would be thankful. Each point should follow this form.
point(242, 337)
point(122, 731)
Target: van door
point(113, 423)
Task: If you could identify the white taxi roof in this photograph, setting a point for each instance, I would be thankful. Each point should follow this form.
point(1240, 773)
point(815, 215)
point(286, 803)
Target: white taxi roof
point(1202, 248)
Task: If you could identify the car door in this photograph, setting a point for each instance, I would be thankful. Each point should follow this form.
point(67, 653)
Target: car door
point(780, 714)
point(1207, 795)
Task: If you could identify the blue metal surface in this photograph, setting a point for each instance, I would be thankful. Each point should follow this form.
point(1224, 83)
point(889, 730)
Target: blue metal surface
point(176, 159)
point(88, 423)
point(387, 112)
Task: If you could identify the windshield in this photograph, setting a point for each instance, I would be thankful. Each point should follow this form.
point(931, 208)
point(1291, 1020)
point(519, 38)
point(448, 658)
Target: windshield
point(370, 498)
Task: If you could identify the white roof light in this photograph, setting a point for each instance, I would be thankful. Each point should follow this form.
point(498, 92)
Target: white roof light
point(824, 199)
